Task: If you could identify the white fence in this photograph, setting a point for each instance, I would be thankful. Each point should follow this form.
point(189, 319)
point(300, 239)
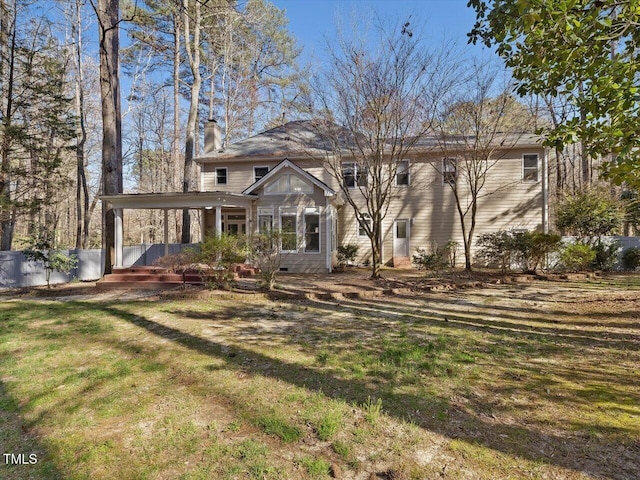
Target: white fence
point(17, 271)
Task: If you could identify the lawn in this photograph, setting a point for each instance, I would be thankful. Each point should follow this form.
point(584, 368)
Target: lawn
point(538, 380)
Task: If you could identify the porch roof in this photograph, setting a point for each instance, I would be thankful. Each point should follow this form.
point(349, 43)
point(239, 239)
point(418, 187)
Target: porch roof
point(179, 200)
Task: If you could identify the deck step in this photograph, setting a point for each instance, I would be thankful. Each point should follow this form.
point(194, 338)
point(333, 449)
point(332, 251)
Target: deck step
point(152, 278)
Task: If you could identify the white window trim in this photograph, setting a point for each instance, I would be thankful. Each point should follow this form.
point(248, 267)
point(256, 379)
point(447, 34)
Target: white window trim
point(537, 180)
point(285, 212)
point(358, 225)
point(265, 212)
point(254, 171)
point(304, 229)
point(408, 184)
point(444, 171)
point(226, 176)
point(356, 175)
point(289, 191)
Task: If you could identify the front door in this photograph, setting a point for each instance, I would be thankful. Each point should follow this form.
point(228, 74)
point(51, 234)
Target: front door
point(235, 224)
point(401, 238)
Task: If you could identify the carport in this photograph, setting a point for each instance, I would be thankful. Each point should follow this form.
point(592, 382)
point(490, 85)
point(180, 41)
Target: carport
point(175, 201)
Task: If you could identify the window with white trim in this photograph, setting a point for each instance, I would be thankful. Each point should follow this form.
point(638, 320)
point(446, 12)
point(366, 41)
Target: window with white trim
point(354, 175)
point(288, 183)
point(530, 167)
point(312, 230)
point(363, 219)
point(449, 170)
point(259, 172)
point(265, 220)
point(221, 176)
point(288, 229)
point(402, 173)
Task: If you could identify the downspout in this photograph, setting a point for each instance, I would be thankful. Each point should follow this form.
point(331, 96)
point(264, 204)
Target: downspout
point(545, 191)
point(328, 215)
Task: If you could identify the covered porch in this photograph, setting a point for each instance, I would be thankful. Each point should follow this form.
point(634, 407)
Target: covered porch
point(213, 202)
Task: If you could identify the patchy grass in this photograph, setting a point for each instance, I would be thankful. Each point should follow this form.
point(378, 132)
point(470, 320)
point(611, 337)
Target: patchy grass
point(515, 381)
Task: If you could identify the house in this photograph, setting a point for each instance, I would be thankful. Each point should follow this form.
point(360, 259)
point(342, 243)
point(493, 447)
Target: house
point(277, 179)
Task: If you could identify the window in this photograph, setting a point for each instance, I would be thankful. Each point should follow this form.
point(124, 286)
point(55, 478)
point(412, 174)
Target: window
point(221, 176)
point(449, 170)
point(353, 174)
point(365, 218)
point(312, 230)
point(265, 220)
point(259, 172)
point(402, 173)
point(297, 185)
point(530, 167)
point(288, 183)
point(289, 230)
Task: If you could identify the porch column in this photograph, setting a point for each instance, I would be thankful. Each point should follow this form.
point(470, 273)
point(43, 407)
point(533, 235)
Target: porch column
point(218, 221)
point(247, 221)
point(203, 223)
point(166, 232)
point(118, 237)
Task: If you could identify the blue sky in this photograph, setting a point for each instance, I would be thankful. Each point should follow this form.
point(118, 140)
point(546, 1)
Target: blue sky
point(312, 20)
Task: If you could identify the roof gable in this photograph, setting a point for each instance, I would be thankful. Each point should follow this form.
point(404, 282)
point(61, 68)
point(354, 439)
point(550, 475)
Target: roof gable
point(286, 163)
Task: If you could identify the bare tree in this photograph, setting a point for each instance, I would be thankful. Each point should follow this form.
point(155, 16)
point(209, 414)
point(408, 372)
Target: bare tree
point(375, 102)
point(474, 132)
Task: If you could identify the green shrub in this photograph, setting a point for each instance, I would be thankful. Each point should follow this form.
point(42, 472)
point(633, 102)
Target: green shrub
point(347, 253)
point(589, 215)
point(41, 250)
point(436, 261)
point(216, 254)
point(496, 249)
point(527, 249)
point(532, 248)
point(577, 256)
point(606, 256)
point(631, 258)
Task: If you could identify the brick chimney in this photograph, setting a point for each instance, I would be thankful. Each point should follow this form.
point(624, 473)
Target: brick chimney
point(212, 136)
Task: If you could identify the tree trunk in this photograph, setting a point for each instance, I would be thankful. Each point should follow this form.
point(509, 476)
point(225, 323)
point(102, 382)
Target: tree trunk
point(192, 47)
point(82, 190)
point(175, 149)
point(107, 12)
point(7, 59)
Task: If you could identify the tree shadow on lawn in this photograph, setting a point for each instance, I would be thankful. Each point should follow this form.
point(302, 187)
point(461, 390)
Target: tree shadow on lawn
point(20, 438)
point(436, 311)
point(569, 451)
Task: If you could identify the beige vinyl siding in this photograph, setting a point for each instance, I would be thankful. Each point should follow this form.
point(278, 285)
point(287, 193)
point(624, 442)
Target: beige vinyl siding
point(428, 203)
point(239, 176)
point(430, 206)
point(300, 261)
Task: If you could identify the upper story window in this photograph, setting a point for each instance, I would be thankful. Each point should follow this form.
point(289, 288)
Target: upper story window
point(288, 183)
point(354, 175)
point(402, 173)
point(363, 219)
point(530, 167)
point(259, 172)
point(221, 176)
point(449, 170)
